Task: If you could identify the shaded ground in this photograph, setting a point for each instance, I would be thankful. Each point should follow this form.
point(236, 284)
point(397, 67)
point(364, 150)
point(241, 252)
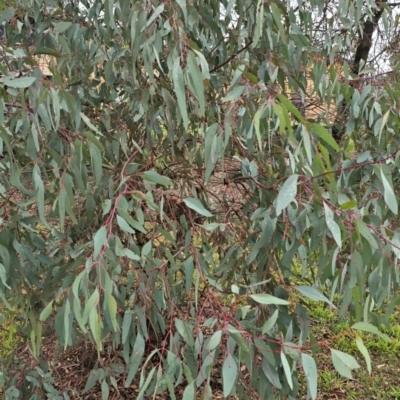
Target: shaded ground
point(73, 370)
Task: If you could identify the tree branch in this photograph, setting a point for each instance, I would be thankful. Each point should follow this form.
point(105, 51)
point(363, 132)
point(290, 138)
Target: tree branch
point(361, 54)
point(232, 57)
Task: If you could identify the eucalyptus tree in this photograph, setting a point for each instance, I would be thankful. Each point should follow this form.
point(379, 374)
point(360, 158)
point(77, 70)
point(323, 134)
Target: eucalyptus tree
point(163, 197)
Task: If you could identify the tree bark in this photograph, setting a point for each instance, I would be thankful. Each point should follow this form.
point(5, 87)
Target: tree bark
point(362, 53)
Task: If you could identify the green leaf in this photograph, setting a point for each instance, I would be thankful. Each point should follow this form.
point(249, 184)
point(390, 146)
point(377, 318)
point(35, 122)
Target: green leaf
point(5, 256)
point(344, 363)
point(3, 276)
point(19, 83)
point(256, 122)
point(268, 299)
point(6, 15)
point(287, 194)
point(61, 27)
point(365, 353)
point(277, 18)
point(214, 341)
point(99, 240)
point(39, 186)
point(185, 331)
point(95, 328)
point(234, 94)
point(136, 358)
point(112, 309)
point(311, 373)
point(229, 374)
point(189, 270)
point(87, 121)
point(384, 122)
point(278, 110)
point(365, 231)
point(124, 225)
point(130, 254)
point(93, 139)
point(190, 391)
point(155, 177)
point(259, 23)
point(67, 326)
point(197, 79)
point(367, 327)
point(46, 312)
point(313, 294)
point(270, 323)
point(47, 51)
point(126, 326)
point(105, 390)
point(90, 305)
point(389, 196)
point(291, 108)
point(287, 370)
point(197, 206)
point(179, 86)
point(96, 158)
point(323, 134)
point(332, 225)
point(182, 5)
point(147, 382)
point(348, 205)
point(62, 199)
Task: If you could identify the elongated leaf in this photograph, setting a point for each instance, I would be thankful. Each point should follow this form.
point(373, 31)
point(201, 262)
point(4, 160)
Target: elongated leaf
point(3, 276)
point(124, 225)
point(99, 240)
point(190, 391)
point(95, 327)
point(287, 370)
point(332, 225)
point(268, 299)
point(214, 341)
point(197, 206)
point(389, 196)
point(90, 305)
point(287, 194)
point(185, 331)
point(234, 94)
point(310, 370)
point(87, 121)
point(155, 177)
point(19, 83)
point(197, 78)
point(344, 363)
point(259, 23)
point(46, 312)
point(136, 359)
point(67, 325)
point(365, 231)
point(365, 353)
point(270, 323)
point(40, 192)
point(229, 374)
point(367, 327)
point(323, 134)
point(277, 18)
point(112, 309)
point(256, 122)
point(313, 294)
point(179, 86)
point(61, 27)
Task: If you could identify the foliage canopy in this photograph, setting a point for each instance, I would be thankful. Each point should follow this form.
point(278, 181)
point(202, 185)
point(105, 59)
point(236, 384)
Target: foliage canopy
point(165, 184)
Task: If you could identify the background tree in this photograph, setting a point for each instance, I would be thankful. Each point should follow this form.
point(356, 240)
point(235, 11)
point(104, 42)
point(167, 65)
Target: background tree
point(161, 193)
